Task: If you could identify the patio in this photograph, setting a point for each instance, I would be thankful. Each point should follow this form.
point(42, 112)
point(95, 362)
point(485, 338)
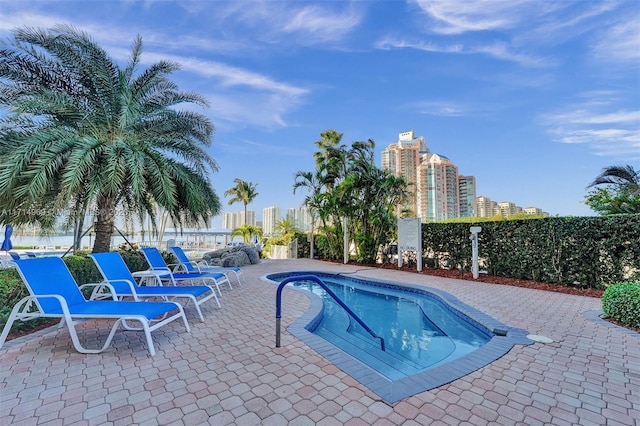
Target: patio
point(228, 371)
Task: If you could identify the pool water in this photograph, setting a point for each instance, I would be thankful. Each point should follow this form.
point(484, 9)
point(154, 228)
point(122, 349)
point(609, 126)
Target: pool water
point(431, 338)
point(419, 331)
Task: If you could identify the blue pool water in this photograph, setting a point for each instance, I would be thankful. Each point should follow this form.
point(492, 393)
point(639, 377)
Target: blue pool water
point(427, 334)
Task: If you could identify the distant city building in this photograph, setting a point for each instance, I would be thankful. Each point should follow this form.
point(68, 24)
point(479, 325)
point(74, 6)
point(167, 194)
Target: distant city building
point(467, 196)
point(439, 193)
point(507, 208)
point(486, 207)
point(270, 217)
point(437, 189)
point(533, 211)
point(236, 220)
point(300, 217)
point(403, 159)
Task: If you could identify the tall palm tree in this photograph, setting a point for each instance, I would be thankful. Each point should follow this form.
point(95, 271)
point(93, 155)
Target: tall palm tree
point(244, 192)
point(82, 128)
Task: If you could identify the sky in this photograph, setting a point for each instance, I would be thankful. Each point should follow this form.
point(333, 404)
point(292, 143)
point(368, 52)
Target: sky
point(533, 98)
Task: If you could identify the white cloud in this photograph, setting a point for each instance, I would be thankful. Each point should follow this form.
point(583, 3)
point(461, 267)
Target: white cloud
point(457, 17)
point(608, 133)
point(440, 108)
point(620, 43)
point(317, 24)
point(500, 51)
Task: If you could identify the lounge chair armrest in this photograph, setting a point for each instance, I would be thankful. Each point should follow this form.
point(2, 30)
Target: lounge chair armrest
point(102, 290)
point(151, 273)
point(132, 287)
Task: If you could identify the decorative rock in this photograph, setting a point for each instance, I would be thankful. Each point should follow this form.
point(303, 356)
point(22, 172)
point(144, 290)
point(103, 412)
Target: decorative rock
point(233, 256)
point(253, 254)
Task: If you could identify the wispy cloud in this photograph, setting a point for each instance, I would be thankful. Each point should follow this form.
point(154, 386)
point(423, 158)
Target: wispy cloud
point(290, 23)
point(227, 75)
point(500, 51)
point(608, 133)
point(318, 24)
point(440, 108)
point(620, 43)
point(518, 30)
point(460, 17)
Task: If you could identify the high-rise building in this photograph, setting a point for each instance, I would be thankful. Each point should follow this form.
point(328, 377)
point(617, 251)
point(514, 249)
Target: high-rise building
point(300, 217)
point(507, 208)
point(467, 196)
point(403, 158)
point(236, 220)
point(486, 207)
point(437, 189)
point(533, 211)
point(270, 217)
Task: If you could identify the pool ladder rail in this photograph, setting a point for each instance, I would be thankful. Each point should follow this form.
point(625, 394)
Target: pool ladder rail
point(318, 281)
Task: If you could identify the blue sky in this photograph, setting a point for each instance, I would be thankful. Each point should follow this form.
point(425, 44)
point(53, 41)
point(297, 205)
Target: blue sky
point(534, 98)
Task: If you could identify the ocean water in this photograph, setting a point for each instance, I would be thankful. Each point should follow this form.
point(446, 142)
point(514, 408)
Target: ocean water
point(63, 242)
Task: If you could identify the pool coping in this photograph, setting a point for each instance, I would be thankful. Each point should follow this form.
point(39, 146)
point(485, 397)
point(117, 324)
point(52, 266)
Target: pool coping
point(392, 391)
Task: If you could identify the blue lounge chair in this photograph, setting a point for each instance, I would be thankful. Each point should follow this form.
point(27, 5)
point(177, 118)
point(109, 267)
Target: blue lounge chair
point(157, 264)
point(14, 255)
point(117, 274)
point(55, 294)
point(187, 265)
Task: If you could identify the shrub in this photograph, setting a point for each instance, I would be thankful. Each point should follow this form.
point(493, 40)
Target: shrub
point(83, 269)
point(12, 290)
point(621, 302)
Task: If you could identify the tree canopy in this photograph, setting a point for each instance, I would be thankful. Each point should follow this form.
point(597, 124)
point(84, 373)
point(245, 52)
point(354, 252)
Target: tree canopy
point(347, 185)
point(85, 136)
point(616, 191)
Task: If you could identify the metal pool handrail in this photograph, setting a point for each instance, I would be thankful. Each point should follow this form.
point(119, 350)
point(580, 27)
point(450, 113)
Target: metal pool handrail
point(330, 293)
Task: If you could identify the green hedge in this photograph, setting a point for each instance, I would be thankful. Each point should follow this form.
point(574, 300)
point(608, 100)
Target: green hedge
point(621, 302)
point(592, 252)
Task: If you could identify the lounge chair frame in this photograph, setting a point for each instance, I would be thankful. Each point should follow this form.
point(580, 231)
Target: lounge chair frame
point(158, 265)
point(202, 266)
point(119, 281)
point(65, 300)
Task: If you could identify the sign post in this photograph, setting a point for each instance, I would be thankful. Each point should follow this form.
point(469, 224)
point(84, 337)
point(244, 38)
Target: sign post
point(475, 269)
point(410, 239)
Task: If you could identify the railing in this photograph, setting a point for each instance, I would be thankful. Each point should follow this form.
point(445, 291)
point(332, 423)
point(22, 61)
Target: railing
point(330, 293)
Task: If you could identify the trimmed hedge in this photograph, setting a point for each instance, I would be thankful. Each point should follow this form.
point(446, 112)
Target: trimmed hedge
point(621, 302)
point(591, 252)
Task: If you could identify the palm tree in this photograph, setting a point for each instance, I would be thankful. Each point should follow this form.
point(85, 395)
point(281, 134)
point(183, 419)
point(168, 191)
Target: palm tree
point(618, 191)
point(247, 232)
point(81, 128)
point(244, 192)
point(625, 178)
point(285, 227)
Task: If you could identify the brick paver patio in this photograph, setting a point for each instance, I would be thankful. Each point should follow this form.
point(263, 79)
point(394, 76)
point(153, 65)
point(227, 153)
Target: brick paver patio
point(228, 371)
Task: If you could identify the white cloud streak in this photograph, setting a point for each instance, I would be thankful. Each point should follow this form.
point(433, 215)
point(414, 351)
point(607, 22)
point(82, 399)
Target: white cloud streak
point(612, 134)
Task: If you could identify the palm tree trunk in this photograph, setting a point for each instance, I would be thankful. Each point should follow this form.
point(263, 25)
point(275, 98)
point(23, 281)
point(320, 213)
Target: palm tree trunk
point(245, 213)
point(104, 221)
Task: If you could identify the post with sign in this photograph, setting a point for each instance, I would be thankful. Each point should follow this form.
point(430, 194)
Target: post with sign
point(475, 268)
point(410, 239)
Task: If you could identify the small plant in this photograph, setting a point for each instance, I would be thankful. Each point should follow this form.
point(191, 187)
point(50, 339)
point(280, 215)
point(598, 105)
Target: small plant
point(12, 290)
point(621, 302)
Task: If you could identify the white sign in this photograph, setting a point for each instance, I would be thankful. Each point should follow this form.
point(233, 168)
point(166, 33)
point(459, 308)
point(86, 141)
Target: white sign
point(410, 239)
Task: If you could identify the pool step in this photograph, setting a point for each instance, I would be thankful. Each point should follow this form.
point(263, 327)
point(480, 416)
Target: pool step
point(366, 348)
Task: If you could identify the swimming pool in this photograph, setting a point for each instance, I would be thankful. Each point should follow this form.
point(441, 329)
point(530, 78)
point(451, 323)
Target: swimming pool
point(430, 337)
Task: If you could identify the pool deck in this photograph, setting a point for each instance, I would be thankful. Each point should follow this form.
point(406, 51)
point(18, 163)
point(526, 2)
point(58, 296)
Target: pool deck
point(228, 371)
